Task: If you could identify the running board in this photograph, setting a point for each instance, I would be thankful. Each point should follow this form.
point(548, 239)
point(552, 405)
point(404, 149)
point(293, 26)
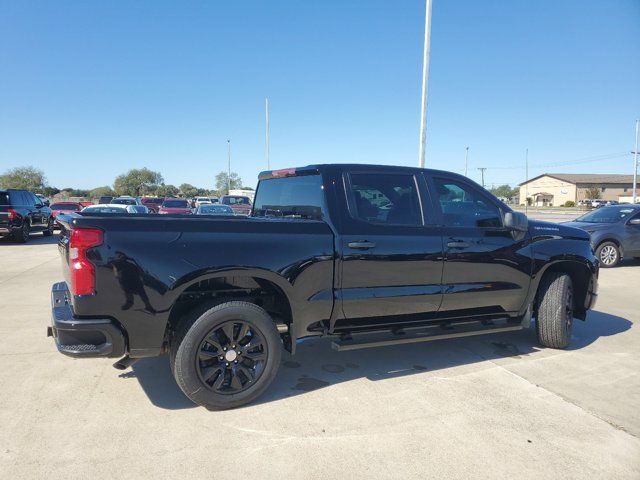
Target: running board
point(344, 345)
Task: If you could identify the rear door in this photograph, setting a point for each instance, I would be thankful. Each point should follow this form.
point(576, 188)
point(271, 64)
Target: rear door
point(632, 234)
point(390, 250)
point(487, 269)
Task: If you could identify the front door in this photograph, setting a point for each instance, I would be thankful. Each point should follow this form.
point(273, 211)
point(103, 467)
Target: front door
point(487, 267)
point(633, 236)
point(391, 255)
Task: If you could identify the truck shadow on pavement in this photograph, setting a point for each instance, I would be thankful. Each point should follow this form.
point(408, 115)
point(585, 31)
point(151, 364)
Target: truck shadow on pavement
point(316, 365)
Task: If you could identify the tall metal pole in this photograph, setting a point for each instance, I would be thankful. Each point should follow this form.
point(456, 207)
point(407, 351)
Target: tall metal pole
point(482, 169)
point(526, 179)
point(425, 78)
point(466, 161)
point(228, 166)
point(635, 164)
point(266, 140)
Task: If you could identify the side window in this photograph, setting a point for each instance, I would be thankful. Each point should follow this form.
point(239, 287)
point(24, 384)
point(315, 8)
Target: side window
point(385, 198)
point(465, 206)
point(34, 200)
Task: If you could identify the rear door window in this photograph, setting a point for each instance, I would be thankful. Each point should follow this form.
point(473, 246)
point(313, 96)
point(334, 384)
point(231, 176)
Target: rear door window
point(385, 198)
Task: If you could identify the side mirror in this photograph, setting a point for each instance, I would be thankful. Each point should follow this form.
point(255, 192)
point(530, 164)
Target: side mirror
point(516, 221)
point(634, 221)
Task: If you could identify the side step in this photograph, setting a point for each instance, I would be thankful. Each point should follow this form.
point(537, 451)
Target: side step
point(344, 345)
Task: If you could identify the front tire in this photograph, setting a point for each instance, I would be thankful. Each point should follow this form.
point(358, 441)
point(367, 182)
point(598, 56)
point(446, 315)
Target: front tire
point(22, 235)
point(554, 320)
point(608, 254)
point(226, 357)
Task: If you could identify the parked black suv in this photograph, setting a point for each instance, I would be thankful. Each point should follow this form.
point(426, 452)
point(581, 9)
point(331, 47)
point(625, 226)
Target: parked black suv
point(22, 212)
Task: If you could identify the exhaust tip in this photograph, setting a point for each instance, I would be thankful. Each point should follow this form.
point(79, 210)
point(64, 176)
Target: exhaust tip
point(124, 363)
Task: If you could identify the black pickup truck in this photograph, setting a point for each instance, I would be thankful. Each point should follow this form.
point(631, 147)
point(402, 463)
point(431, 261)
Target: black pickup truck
point(371, 255)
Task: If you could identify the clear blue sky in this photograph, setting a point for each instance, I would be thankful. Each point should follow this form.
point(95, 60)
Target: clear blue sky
point(89, 90)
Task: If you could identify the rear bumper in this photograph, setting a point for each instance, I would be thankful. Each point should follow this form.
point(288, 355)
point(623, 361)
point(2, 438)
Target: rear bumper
point(88, 338)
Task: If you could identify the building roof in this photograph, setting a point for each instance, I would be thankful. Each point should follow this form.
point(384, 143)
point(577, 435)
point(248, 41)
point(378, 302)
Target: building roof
point(590, 178)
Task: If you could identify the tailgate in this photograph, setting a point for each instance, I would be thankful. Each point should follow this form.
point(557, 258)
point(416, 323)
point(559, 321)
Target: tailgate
point(63, 246)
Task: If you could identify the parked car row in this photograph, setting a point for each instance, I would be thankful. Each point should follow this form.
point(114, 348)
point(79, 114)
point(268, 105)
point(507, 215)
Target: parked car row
point(23, 212)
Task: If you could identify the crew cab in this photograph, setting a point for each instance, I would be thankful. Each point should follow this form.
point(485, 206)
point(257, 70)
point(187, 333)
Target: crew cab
point(370, 255)
point(21, 213)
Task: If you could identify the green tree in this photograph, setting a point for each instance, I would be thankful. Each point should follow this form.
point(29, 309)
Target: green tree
point(592, 193)
point(504, 191)
point(188, 190)
point(27, 178)
point(105, 191)
point(223, 180)
point(50, 191)
point(167, 191)
point(137, 182)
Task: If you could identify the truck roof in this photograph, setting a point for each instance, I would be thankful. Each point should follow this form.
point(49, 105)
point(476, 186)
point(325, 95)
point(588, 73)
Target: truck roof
point(317, 168)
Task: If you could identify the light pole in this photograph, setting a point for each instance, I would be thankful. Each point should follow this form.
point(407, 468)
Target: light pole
point(482, 169)
point(466, 161)
point(425, 78)
point(228, 166)
point(635, 164)
point(266, 140)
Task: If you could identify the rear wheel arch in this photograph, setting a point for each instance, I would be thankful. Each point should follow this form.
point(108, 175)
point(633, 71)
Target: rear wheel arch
point(206, 292)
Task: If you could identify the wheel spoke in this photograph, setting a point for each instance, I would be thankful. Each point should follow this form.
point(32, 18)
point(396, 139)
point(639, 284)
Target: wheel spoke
point(208, 354)
point(212, 340)
point(228, 329)
point(255, 342)
point(235, 383)
point(217, 385)
point(256, 356)
point(244, 331)
point(212, 372)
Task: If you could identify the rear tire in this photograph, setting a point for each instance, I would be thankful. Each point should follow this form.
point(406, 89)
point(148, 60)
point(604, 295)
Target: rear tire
point(608, 254)
point(227, 356)
point(49, 231)
point(22, 236)
point(554, 320)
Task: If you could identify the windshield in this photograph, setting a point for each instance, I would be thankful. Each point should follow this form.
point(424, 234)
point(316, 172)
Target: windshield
point(290, 197)
point(124, 201)
point(175, 204)
point(607, 215)
point(215, 209)
point(236, 200)
point(65, 206)
point(140, 208)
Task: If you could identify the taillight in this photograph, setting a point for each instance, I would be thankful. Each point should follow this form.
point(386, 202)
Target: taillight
point(83, 273)
point(12, 214)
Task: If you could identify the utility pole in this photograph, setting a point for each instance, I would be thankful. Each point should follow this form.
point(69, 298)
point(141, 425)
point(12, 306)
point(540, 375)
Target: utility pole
point(635, 164)
point(466, 161)
point(266, 143)
point(228, 166)
point(482, 169)
point(425, 79)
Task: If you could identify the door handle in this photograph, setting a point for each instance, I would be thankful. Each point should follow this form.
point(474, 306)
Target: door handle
point(361, 245)
point(458, 244)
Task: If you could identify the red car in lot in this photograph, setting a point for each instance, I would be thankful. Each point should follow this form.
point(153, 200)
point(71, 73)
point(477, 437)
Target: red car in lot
point(64, 207)
point(152, 203)
point(175, 205)
point(240, 204)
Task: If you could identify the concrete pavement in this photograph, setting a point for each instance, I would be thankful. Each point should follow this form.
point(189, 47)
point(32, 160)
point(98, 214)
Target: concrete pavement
point(490, 407)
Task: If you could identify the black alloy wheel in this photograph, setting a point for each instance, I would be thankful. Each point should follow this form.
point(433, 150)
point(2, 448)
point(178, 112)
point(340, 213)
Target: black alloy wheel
point(232, 357)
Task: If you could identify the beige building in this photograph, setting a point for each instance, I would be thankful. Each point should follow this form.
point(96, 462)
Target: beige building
point(554, 189)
